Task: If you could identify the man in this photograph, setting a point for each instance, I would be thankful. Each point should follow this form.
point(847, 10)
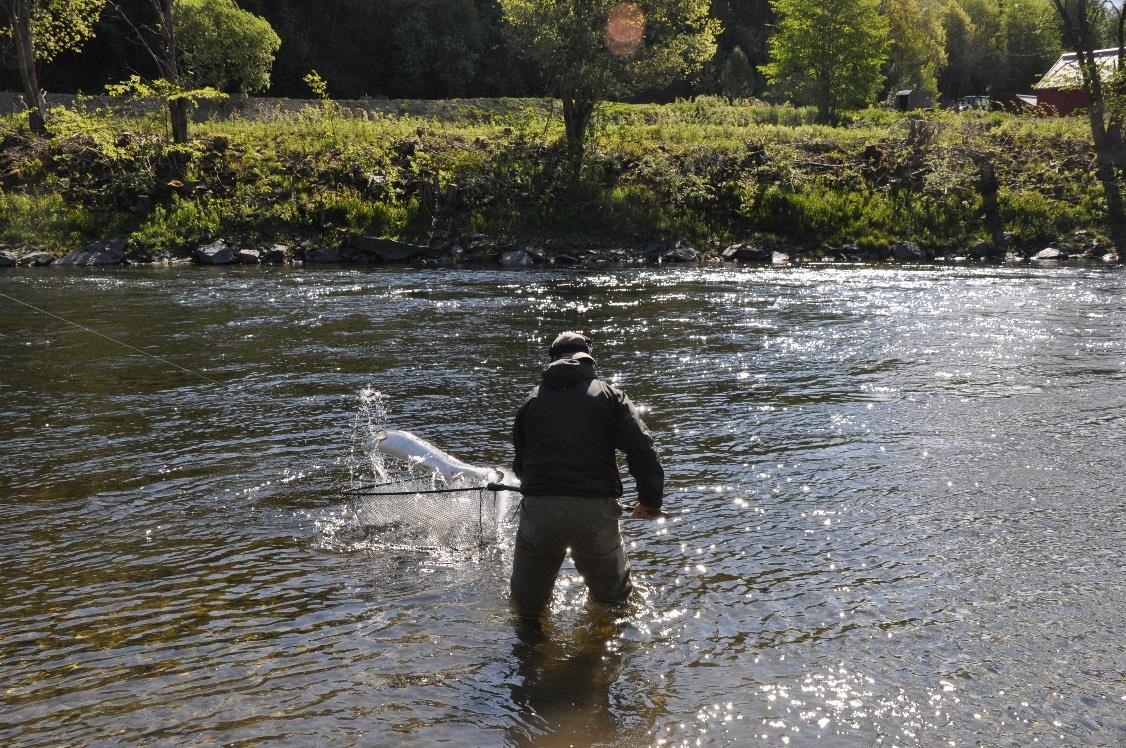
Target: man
point(566, 436)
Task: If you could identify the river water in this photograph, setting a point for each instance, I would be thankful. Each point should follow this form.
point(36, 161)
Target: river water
point(896, 497)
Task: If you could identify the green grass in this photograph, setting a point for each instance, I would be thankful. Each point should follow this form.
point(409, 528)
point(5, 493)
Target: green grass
point(695, 170)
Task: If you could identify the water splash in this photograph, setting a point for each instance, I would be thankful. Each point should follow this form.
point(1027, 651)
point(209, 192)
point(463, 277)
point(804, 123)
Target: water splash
point(395, 512)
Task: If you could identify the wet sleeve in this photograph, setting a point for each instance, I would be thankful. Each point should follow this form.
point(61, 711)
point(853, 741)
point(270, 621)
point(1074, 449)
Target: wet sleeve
point(632, 437)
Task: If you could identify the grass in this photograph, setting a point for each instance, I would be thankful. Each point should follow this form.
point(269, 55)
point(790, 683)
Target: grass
point(705, 169)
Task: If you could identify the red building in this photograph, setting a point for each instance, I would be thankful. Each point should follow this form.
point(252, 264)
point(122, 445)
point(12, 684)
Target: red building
point(1061, 88)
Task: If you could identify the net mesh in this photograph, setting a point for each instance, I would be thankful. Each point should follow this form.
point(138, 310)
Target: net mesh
point(389, 499)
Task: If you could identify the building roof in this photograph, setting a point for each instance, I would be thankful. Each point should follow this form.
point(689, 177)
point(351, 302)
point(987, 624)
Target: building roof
point(1065, 73)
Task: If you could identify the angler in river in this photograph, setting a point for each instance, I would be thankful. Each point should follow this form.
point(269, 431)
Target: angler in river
point(566, 435)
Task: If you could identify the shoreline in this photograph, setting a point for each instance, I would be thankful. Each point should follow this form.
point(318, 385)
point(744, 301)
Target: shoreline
point(701, 181)
point(481, 253)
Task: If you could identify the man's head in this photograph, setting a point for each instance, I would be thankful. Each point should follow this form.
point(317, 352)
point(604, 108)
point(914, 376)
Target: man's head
point(570, 342)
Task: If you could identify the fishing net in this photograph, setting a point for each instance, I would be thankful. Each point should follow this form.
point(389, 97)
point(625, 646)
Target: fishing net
point(398, 505)
point(414, 513)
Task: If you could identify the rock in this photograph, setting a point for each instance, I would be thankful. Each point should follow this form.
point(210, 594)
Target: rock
point(684, 255)
point(987, 251)
point(109, 252)
point(908, 252)
point(249, 256)
point(276, 255)
point(35, 259)
point(517, 257)
point(8, 259)
point(1050, 254)
point(779, 258)
point(324, 254)
point(1110, 257)
point(747, 253)
point(566, 260)
point(383, 250)
point(215, 253)
point(1014, 258)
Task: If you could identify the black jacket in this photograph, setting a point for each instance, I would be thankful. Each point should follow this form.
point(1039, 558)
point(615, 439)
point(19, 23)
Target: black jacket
point(568, 430)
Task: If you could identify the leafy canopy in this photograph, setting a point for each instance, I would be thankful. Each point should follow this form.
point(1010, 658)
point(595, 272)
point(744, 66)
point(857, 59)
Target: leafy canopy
point(61, 25)
point(225, 46)
point(828, 53)
point(598, 49)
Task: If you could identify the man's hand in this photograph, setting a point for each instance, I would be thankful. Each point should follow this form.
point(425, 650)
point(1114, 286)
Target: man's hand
point(640, 511)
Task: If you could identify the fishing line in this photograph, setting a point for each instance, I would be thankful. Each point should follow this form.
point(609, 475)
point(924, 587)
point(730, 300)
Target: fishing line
point(115, 340)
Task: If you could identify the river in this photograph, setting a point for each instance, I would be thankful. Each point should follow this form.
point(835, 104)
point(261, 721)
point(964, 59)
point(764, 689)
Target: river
point(897, 509)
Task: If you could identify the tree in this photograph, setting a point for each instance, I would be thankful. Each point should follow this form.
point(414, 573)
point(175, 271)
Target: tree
point(592, 50)
point(828, 53)
point(972, 28)
point(1082, 21)
point(1029, 42)
point(917, 45)
point(225, 46)
point(737, 79)
point(40, 30)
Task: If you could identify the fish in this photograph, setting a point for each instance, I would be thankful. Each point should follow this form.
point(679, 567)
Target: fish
point(408, 448)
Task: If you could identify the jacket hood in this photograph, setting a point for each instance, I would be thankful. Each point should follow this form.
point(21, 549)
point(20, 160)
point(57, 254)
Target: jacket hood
point(568, 371)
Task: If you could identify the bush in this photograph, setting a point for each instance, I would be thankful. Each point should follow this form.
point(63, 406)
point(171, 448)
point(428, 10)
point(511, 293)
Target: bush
point(47, 221)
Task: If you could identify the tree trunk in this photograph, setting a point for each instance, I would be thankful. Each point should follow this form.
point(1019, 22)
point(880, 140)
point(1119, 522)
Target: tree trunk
point(178, 115)
point(576, 118)
point(29, 75)
point(1079, 32)
point(169, 63)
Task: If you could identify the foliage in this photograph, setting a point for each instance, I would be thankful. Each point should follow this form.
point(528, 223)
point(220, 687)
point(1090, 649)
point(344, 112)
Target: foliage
point(917, 48)
point(61, 25)
point(704, 169)
point(1028, 42)
point(152, 98)
point(594, 50)
point(834, 76)
point(738, 79)
point(46, 220)
point(225, 47)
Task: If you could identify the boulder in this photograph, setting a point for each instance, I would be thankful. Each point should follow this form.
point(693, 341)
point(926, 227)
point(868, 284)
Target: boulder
point(747, 253)
point(325, 254)
point(383, 250)
point(8, 259)
point(909, 252)
point(518, 257)
point(36, 259)
point(215, 253)
point(779, 258)
point(683, 255)
point(987, 251)
point(109, 252)
point(1050, 254)
point(1110, 257)
point(249, 256)
point(566, 260)
point(276, 255)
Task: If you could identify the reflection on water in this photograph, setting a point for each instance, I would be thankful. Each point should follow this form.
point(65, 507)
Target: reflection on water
point(896, 496)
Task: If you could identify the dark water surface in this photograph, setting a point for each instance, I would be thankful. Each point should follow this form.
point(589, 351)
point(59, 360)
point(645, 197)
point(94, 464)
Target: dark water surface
point(899, 510)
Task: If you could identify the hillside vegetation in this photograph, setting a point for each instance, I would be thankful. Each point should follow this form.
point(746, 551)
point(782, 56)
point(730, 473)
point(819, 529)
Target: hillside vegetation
point(707, 171)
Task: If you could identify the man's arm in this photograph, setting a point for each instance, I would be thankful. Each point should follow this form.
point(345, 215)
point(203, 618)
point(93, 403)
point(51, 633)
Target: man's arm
point(632, 437)
point(518, 443)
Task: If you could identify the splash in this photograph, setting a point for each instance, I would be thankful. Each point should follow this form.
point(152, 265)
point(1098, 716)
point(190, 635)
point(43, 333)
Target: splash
point(391, 503)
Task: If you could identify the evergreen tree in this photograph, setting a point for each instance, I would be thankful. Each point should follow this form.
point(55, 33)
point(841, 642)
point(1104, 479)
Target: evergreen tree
point(738, 77)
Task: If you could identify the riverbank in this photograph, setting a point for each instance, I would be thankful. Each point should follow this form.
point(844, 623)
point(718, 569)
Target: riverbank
point(693, 181)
